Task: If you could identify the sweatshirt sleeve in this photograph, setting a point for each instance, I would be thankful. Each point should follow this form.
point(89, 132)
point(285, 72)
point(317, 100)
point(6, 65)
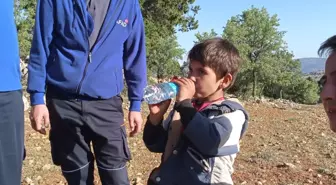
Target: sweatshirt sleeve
point(155, 137)
point(39, 52)
point(135, 69)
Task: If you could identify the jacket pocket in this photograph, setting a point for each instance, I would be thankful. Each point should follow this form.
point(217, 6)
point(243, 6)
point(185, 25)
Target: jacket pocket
point(127, 151)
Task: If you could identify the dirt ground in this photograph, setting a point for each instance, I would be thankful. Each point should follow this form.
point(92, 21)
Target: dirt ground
point(285, 145)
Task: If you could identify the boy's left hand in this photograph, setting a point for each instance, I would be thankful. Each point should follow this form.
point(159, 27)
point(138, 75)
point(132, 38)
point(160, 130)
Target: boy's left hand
point(186, 89)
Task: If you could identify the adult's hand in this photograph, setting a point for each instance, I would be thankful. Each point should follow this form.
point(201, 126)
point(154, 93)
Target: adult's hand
point(135, 122)
point(39, 118)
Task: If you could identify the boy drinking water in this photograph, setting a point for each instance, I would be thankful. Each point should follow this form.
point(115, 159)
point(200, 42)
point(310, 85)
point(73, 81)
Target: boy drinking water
point(199, 140)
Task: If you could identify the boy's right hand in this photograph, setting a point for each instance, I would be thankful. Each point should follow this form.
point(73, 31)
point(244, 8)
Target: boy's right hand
point(157, 111)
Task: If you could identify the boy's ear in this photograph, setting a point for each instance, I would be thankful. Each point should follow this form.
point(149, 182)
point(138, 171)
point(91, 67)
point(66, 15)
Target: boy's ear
point(226, 81)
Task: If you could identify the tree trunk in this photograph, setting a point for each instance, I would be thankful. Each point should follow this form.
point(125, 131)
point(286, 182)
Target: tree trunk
point(254, 88)
point(158, 76)
point(261, 92)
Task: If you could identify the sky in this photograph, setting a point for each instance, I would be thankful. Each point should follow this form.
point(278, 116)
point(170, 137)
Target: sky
point(307, 22)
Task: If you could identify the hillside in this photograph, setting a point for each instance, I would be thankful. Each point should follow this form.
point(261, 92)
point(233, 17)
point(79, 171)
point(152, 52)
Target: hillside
point(309, 65)
point(286, 143)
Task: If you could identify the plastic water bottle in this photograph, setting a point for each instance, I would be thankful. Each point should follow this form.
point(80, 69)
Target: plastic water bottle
point(160, 92)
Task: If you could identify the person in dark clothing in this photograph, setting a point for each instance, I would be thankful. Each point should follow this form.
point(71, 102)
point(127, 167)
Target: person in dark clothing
point(81, 52)
point(200, 138)
point(11, 104)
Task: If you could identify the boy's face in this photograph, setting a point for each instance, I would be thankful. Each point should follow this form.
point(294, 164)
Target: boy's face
point(207, 86)
point(328, 94)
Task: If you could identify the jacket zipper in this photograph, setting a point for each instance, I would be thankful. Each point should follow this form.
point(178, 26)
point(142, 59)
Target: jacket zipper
point(84, 74)
point(88, 57)
point(90, 49)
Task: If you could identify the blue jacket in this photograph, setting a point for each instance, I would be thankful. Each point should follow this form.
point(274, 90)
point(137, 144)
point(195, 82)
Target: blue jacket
point(61, 55)
point(9, 50)
point(205, 151)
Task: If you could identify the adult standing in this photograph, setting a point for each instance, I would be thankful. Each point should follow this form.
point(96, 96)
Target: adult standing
point(81, 52)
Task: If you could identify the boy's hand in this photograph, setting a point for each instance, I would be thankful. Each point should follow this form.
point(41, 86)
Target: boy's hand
point(187, 89)
point(156, 111)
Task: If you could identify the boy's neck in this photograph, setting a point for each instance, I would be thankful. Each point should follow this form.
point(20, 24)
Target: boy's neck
point(201, 101)
point(201, 104)
point(213, 97)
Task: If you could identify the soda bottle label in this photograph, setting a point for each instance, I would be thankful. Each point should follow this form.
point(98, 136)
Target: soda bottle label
point(160, 92)
point(174, 86)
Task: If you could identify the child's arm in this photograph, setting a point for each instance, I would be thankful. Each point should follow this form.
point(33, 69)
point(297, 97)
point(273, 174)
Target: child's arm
point(207, 135)
point(155, 136)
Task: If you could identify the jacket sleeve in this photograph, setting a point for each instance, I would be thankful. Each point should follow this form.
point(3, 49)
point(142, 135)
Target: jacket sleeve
point(39, 52)
point(135, 69)
point(155, 137)
point(214, 133)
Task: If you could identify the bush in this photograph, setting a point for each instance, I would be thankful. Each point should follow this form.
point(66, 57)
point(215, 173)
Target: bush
point(303, 90)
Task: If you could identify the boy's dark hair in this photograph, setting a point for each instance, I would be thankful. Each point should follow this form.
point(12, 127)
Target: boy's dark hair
point(218, 54)
point(328, 46)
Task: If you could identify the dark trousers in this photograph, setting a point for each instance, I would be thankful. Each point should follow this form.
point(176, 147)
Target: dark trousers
point(78, 123)
point(11, 137)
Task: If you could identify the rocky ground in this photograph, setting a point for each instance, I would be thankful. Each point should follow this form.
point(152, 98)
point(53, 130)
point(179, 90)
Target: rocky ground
point(286, 143)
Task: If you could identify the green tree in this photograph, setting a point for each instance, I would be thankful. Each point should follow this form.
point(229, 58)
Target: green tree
point(167, 15)
point(256, 35)
point(284, 68)
point(165, 56)
point(25, 20)
point(302, 90)
point(162, 19)
point(205, 35)
point(268, 67)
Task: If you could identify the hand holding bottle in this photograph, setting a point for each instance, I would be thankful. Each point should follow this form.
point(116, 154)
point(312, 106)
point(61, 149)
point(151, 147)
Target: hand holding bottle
point(157, 111)
point(186, 89)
